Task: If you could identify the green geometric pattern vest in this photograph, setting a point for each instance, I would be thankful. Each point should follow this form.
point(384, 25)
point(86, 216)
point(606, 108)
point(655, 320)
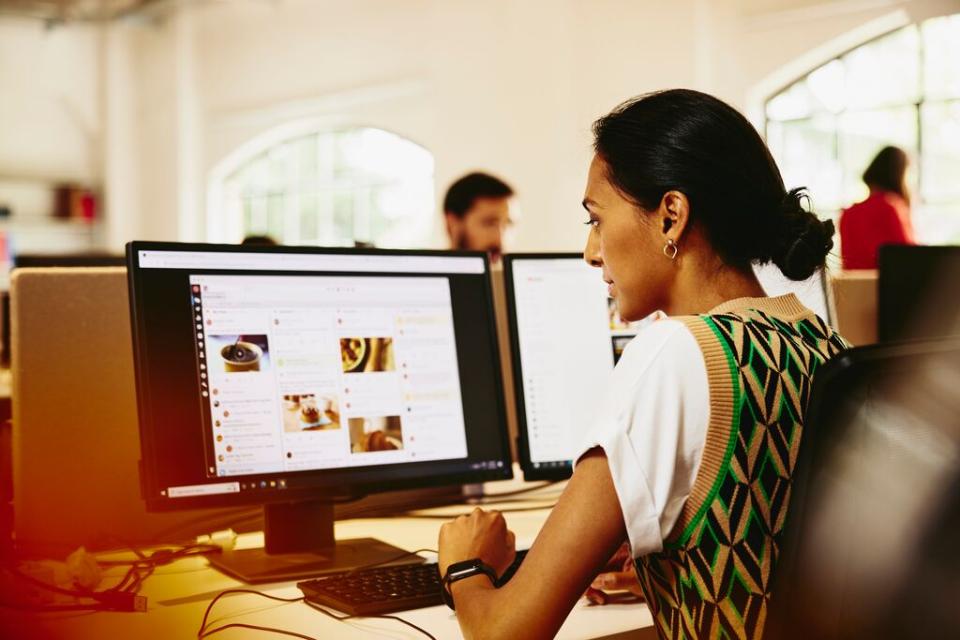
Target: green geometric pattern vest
point(712, 579)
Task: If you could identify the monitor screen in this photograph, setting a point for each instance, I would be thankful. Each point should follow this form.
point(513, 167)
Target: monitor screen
point(566, 337)
point(916, 292)
point(294, 375)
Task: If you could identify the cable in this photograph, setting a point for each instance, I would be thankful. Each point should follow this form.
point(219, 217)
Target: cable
point(120, 597)
point(241, 625)
point(208, 521)
point(108, 600)
point(164, 555)
point(348, 617)
point(203, 632)
point(417, 503)
point(222, 521)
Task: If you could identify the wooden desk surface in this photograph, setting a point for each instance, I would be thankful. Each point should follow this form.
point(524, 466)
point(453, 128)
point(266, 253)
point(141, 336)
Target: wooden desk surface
point(178, 595)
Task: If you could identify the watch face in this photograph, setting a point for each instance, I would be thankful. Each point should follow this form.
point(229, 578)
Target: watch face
point(463, 569)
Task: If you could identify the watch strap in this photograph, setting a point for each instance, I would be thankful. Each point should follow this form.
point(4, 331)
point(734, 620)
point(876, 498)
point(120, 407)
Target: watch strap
point(462, 570)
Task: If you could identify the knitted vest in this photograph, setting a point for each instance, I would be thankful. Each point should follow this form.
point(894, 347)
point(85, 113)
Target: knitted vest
point(712, 579)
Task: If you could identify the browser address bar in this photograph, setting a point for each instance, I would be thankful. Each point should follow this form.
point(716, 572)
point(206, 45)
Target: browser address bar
point(307, 262)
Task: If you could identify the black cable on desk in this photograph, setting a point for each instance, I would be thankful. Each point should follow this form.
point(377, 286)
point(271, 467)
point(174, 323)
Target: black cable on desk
point(203, 632)
point(243, 625)
point(348, 617)
point(120, 597)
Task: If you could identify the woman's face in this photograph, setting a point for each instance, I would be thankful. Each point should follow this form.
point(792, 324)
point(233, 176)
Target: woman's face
point(626, 245)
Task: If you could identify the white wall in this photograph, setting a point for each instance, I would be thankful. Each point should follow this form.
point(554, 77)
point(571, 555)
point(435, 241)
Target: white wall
point(511, 87)
point(502, 86)
point(50, 107)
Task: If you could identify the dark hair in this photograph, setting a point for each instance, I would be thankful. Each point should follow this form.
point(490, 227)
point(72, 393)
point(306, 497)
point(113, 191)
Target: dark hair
point(691, 142)
point(887, 171)
point(463, 193)
point(259, 241)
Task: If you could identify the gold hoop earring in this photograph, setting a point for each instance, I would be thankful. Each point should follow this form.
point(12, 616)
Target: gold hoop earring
point(671, 249)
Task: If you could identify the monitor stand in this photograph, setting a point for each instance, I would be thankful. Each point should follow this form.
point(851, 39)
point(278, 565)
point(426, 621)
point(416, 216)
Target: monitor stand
point(299, 543)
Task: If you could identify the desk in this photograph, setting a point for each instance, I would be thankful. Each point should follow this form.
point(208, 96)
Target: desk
point(179, 593)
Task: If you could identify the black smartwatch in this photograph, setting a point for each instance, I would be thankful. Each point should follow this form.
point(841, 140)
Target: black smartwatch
point(462, 570)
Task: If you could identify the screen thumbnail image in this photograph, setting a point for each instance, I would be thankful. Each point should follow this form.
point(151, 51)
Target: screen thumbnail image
point(309, 412)
point(239, 353)
point(367, 355)
point(381, 433)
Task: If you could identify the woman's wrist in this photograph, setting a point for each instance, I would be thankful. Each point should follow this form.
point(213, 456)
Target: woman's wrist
point(465, 591)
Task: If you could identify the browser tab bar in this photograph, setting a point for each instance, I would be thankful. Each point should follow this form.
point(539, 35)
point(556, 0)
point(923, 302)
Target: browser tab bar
point(347, 263)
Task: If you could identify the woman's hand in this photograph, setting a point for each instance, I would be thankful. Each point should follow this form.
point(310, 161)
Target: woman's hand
point(481, 534)
point(619, 575)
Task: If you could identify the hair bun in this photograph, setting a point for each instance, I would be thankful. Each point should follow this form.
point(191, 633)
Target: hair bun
point(802, 240)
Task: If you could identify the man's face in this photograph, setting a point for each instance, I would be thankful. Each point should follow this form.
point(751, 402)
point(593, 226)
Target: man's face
point(483, 226)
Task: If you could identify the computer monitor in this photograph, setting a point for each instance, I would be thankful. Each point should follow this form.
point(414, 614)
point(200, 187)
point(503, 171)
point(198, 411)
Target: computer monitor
point(297, 377)
point(916, 292)
point(566, 336)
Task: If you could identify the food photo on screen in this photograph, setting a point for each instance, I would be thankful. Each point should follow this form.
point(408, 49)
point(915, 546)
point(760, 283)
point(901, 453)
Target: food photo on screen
point(240, 353)
point(380, 433)
point(309, 412)
point(367, 354)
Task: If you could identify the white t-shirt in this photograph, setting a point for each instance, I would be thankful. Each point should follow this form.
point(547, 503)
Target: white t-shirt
point(652, 425)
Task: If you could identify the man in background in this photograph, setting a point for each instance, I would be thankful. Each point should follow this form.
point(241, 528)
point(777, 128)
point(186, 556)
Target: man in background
point(477, 209)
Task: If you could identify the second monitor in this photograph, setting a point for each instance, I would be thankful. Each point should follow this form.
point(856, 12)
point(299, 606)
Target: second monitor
point(566, 336)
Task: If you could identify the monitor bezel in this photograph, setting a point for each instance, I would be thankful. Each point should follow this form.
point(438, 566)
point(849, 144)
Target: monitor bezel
point(530, 472)
point(149, 479)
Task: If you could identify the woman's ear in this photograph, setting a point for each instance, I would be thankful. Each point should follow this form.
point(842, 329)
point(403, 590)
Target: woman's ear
point(674, 215)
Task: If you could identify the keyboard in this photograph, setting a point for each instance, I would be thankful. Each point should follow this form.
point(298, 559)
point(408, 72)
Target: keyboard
point(382, 590)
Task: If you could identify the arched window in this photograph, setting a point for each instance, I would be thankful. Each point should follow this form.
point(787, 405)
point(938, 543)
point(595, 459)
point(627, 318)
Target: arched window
point(901, 89)
point(328, 188)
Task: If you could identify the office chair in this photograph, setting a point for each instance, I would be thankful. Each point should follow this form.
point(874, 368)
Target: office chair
point(869, 548)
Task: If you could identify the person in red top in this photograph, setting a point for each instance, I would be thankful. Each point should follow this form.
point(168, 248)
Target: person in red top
point(883, 218)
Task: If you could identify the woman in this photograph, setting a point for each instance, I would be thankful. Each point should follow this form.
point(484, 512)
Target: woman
point(883, 218)
point(689, 458)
